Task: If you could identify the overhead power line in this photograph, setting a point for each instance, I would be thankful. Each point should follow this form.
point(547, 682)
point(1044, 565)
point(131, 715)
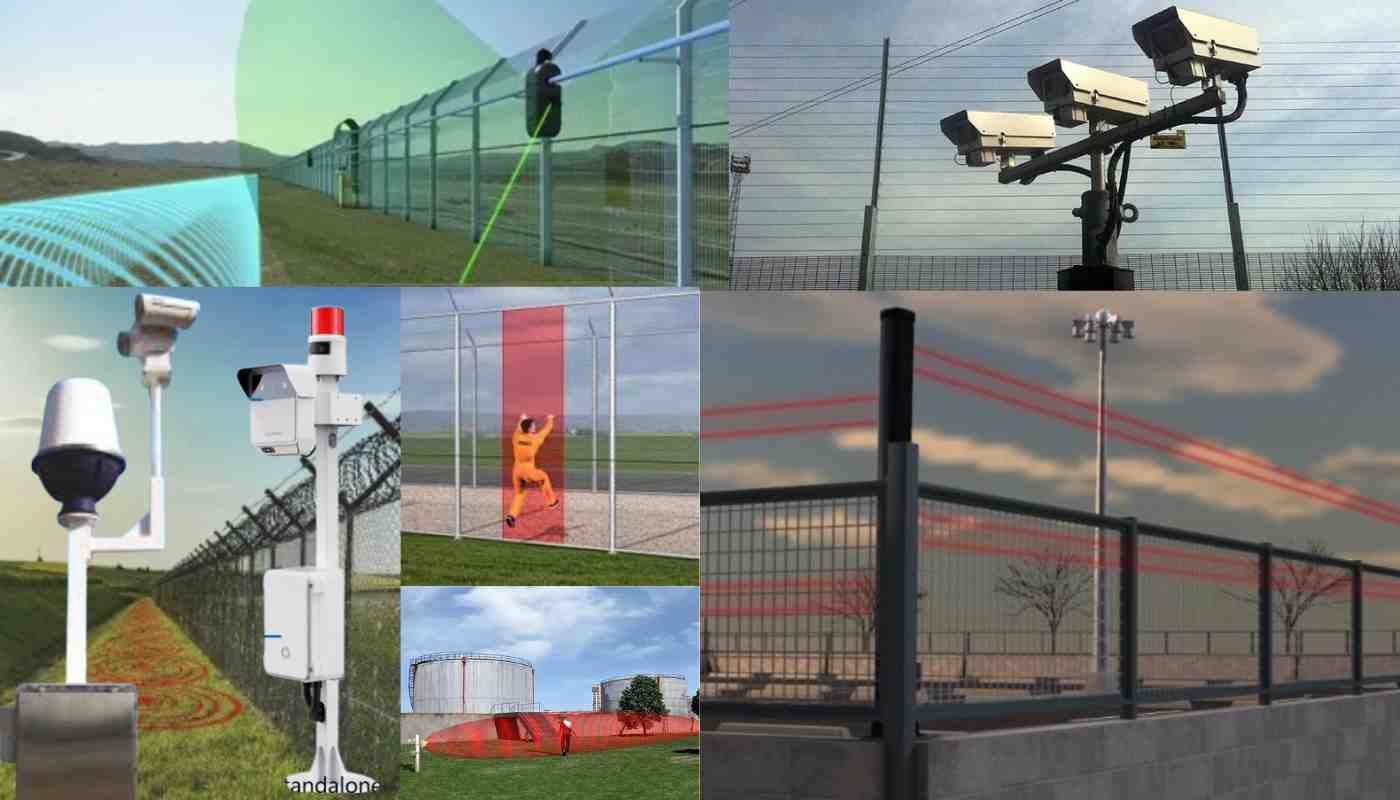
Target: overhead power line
point(966, 41)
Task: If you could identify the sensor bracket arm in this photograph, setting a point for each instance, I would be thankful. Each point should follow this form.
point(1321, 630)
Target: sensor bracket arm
point(1240, 101)
point(149, 533)
point(1075, 168)
point(1156, 122)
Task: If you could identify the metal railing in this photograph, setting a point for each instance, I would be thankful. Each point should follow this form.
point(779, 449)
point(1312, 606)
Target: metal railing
point(634, 192)
point(814, 599)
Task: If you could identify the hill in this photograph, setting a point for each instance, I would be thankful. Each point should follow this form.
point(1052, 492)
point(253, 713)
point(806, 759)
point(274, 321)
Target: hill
point(28, 145)
point(231, 154)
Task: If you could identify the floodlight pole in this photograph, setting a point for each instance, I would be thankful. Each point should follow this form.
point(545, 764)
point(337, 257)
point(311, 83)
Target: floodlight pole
point(867, 234)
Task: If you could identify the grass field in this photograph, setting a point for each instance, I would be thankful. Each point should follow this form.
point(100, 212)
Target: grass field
point(653, 452)
point(439, 561)
point(667, 771)
point(33, 621)
point(245, 757)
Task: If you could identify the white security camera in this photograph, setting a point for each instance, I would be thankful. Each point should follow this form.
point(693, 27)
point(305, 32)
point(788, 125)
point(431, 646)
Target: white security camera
point(990, 137)
point(1076, 94)
point(152, 337)
point(79, 458)
point(1192, 47)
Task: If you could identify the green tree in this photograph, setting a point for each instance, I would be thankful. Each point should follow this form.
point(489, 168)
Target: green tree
point(641, 704)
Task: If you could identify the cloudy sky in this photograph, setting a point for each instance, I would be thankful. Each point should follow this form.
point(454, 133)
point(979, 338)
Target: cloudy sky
point(211, 468)
point(575, 637)
point(1306, 382)
point(276, 74)
point(658, 353)
point(1313, 152)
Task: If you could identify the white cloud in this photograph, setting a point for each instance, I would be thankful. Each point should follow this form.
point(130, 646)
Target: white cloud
point(756, 472)
point(69, 343)
point(548, 620)
point(1076, 478)
point(1174, 356)
point(1361, 462)
point(20, 426)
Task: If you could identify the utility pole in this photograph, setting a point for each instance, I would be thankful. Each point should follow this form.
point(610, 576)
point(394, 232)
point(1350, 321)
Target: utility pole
point(868, 231)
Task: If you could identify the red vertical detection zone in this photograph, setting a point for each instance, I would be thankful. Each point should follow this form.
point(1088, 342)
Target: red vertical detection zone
point(532, 383)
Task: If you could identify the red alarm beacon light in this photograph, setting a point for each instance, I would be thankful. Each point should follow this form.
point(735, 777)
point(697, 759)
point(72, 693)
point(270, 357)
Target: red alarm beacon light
point(327, 321)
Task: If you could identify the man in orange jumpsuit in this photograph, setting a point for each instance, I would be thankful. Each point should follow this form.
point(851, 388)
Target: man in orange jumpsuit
point(528, 440)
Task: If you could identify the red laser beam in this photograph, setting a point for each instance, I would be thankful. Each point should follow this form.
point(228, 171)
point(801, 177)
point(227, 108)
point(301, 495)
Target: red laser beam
point(1160, 430)
point(1177, 452)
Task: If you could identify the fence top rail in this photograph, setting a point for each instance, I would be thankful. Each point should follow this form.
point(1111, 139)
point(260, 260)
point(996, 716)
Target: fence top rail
point(781, 494)
point(569, 302)
point(1389, 572)
point(929, 491)
point(1193, 537)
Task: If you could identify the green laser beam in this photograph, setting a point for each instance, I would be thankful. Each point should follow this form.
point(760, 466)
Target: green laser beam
point(510, 185)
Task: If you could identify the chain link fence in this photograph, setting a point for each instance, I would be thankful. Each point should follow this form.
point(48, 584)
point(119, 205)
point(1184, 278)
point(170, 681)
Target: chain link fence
point(602, 198)
point(215, 594)
point(1278, 271)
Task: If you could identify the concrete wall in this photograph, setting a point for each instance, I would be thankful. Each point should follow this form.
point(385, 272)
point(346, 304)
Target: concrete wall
point(1344, 747)
point(761, 767)
point(426, 725)
point(1331, 749)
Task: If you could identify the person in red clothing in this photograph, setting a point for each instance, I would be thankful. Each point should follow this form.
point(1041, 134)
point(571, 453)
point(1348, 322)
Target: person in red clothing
point(566, 736)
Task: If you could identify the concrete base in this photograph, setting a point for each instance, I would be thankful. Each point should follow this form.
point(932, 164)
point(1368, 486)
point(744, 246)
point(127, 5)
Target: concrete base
point(1095, 279)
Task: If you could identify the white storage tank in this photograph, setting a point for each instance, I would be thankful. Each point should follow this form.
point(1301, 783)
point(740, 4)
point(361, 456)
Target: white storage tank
point(608, 693)
point(470, 683)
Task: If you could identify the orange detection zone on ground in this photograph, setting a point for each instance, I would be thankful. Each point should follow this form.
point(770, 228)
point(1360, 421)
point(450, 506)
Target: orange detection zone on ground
point(532, 735)
point(172, 687)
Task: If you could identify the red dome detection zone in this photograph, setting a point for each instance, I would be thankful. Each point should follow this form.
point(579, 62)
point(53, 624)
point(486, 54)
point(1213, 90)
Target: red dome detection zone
point(537, 734)
point(327, 320)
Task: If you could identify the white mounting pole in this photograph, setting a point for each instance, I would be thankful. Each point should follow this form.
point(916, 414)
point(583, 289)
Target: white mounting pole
point(612, 427)
point(327, 761)
point(75, 656)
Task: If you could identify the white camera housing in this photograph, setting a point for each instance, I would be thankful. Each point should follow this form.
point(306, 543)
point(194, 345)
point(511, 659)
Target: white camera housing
point(990, 137)
point(1191, 47)
point(304, 623)
point(152, 337)
point(1075, 94)
point(281, 408)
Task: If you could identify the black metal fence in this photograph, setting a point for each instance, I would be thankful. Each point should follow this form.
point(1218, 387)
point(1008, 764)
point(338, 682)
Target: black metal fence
point(1280, 271)
point(215, 594)
point(821, 603)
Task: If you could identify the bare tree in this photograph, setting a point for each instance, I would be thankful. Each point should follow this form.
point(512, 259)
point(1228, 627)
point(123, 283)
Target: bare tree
point(1357, 261)
point(1052, 584)
point(857, 602)
point(1299, 587)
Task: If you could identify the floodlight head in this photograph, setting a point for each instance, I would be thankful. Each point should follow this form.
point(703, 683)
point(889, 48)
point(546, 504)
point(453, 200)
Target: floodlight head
point(1078, 328)
point(1192, 47)
point(1075, 94)
point(1127, 325)
point(991, 137)
point(79, 458)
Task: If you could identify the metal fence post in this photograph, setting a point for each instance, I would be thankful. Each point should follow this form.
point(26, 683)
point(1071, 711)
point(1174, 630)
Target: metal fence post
point(685, 149)
point(897, 555)
point(1266, 624)
point(1358, 668)
point(457, 425)
point(896, 619)
point(1128, 624)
